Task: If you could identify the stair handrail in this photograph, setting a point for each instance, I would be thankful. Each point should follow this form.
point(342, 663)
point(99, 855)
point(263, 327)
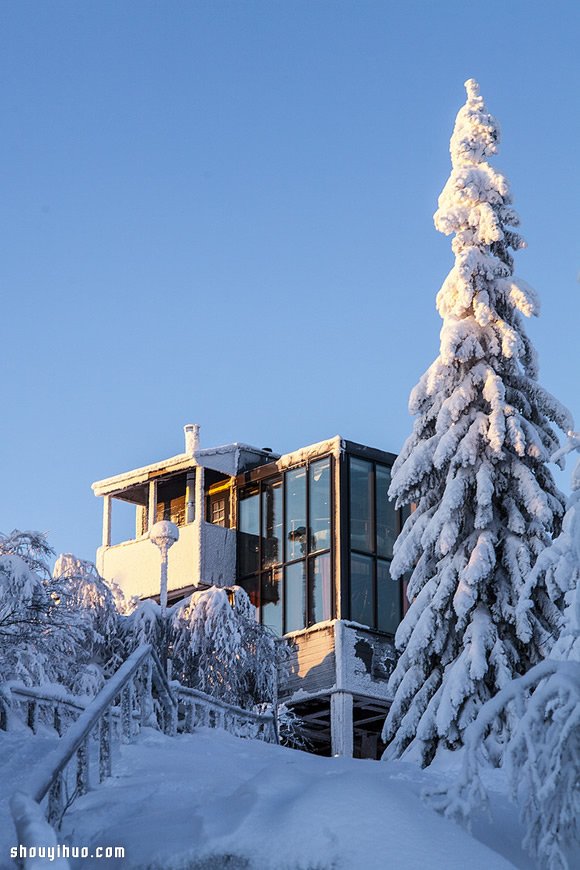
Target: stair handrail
point(48, 777)
point(266, 722)
point(37, 697)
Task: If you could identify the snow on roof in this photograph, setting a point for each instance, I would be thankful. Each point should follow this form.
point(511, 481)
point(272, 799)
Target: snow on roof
point(180, 462)
point(333, 445)
point(208, 458)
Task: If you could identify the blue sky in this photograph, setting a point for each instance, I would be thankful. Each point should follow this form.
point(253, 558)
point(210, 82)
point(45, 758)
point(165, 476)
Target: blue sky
point(221, 212)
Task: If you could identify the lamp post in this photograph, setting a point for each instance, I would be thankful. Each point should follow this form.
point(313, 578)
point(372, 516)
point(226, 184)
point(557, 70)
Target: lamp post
point(163, 534)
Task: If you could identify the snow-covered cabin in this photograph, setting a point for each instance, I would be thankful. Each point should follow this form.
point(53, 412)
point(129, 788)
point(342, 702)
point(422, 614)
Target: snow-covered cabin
point(308, 535)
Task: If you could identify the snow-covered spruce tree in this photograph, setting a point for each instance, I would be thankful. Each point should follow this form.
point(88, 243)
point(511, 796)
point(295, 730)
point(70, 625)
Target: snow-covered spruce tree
point(542, 755)
point(475, 467)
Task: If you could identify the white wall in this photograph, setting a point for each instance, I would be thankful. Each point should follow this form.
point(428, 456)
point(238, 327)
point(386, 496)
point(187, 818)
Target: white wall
point(135, 565)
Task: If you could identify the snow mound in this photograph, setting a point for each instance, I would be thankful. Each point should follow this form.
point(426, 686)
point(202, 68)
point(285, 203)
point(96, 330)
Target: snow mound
point(209, 800)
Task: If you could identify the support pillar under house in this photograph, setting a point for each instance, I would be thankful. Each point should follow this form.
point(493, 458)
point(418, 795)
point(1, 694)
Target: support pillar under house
point(341, 723)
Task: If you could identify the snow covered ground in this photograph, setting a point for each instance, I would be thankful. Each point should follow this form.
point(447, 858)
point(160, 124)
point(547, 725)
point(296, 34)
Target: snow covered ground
point(19, 752)
point(188, 802)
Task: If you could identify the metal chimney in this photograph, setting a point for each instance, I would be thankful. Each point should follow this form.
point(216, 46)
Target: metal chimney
point(191, 438)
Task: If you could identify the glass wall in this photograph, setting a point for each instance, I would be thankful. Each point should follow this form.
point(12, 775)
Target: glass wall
point(287, 557)
point(284, 546)
point(249, 531)
point(272, 523)
point(375, 600)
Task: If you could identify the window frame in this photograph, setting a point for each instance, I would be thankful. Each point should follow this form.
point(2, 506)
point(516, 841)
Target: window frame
point(309, 556)
point(220, 489)
point(374, 554)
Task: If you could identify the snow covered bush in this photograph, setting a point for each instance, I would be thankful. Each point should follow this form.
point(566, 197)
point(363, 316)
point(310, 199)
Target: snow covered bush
point(92, 605)
point(34, 631)
point(542, 757)
point(27, 631)
point(59, 628)
point(219, 648)
point(291, 730)
point(31, 547)
point(475, 467)
point(142, 625)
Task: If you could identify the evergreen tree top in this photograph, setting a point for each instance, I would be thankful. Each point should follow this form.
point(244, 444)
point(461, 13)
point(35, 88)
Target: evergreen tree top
point(476, 134)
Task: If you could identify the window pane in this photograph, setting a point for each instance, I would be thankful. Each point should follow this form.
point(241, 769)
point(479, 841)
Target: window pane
point(218, 509)
point(386, 514)
point(320, 505)
point(295, 592)
point(251, 585)
point(388, 598)
point(171, 500)
point(320, 595)
point(361, 589)
point(272, 534)
point(296, 543)
point(249, 531)
point(361, 505)
point(272, 600)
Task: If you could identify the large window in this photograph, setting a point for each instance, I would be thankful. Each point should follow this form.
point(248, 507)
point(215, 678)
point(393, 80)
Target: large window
point(249, 531)
point(284, 546)
point(375, 600)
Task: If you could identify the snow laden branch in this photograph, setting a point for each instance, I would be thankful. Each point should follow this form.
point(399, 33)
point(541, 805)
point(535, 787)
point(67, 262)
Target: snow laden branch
point(542, 755)
point(475, 467)
point(214, 644)
point(542, 759)
point(58, 628)
point(219, 648)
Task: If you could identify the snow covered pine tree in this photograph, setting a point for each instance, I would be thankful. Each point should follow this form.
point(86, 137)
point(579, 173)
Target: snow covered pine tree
point(475, 467)
point(542, 756)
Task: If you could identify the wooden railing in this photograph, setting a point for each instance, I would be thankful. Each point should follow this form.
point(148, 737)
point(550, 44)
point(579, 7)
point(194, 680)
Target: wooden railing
point(137, 694)
point(45, 706)
point(201, 710)
point(65, 774)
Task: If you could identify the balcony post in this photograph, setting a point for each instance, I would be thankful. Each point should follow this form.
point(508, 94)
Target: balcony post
point(152, 505)
point(107, 521)
point(190, 497)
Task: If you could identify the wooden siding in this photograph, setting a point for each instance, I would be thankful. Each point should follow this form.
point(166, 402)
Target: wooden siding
point(339, 656)
point(312, 663)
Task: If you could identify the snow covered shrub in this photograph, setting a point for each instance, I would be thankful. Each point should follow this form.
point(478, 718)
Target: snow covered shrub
point(219, 648)
point(542, 757)
point(291, 729)
point(60, 629)
point(36, 638)
point(31, 547)
point(91, 602)
point(27, 631)
point(475, 467)
point(142, 625)
point(266, 656)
